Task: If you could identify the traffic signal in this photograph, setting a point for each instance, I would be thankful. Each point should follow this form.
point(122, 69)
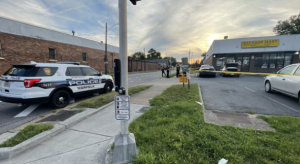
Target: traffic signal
point(134, 1)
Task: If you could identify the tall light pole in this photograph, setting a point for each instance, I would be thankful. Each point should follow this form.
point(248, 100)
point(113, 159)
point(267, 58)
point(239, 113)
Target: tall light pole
point(105, 56)
point(125, 145)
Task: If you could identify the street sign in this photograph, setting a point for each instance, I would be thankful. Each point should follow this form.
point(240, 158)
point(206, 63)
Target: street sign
point(122, 107)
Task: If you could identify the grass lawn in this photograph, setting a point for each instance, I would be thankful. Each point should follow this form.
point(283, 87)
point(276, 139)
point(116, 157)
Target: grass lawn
point(171, 75)
point(26, 133)
point(104, 99)
point(174, 131)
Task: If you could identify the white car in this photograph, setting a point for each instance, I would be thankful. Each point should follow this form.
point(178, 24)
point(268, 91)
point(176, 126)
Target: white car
point(289, 85)
point(53, 83)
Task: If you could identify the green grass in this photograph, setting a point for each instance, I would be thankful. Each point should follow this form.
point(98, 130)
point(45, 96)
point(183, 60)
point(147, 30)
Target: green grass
point(80, 110)
point(104, 99)
point(174, 131)
point(26, 133)
point(171, 75)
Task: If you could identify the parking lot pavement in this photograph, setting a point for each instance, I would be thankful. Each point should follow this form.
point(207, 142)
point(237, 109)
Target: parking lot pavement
point(244, 94)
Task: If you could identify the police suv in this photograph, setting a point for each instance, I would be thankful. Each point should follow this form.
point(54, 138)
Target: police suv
point(53, 83)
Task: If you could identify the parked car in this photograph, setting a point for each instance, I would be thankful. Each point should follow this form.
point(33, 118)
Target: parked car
point(204, 68)
point(289, 85)
point(53, 83)
point(231, 67)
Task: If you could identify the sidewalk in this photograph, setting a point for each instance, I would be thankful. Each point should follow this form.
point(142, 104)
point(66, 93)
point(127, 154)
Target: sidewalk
point(87, 141)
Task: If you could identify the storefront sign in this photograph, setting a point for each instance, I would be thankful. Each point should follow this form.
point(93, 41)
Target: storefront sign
point(260, 43)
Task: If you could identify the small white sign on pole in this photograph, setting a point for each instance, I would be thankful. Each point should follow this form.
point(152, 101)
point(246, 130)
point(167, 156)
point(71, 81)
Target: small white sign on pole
point(122, 107)
point(188, 75)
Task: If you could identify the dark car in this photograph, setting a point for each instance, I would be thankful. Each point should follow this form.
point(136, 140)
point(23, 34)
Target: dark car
point(204, 68)
point(232, 69)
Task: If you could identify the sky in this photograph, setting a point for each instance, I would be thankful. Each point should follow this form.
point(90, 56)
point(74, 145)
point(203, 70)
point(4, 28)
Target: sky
point(172, 27)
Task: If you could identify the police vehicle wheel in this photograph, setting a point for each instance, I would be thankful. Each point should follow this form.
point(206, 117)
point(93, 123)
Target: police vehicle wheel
point(108, 87)
point(268, 87)
point(60, 99)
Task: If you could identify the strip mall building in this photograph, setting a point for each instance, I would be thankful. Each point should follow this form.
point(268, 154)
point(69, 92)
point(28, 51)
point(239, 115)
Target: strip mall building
point(258, 54)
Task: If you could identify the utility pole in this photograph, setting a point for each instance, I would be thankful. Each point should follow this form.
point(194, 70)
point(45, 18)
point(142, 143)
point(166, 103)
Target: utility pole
point(105, 56)
point(125, 144)
point(189, 56)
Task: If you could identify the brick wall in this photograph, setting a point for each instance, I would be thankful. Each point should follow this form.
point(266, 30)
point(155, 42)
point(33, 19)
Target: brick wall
point(144, 65)
point(20, 49)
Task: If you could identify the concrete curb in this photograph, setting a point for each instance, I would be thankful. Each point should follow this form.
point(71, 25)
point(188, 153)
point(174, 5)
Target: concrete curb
point(9, 152)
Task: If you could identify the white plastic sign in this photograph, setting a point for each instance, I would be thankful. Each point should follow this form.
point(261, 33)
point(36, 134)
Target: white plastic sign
point(188, 75)
point(122, 107)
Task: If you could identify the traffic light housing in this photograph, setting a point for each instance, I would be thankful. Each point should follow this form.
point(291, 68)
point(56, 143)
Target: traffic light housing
point(117, 74)
point(134, 1)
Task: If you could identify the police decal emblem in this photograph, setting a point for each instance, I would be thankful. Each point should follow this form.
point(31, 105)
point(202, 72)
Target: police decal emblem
point(47, 71)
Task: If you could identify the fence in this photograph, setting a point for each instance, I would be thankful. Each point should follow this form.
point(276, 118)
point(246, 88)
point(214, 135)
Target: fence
point(141, 65)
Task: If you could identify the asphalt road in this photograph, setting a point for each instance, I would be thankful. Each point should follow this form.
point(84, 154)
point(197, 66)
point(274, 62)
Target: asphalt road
point(9, 112)
point(245, 94)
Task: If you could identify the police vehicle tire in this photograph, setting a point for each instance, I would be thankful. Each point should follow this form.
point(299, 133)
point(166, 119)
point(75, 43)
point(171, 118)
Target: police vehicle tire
point(60, 99)
point(268, 87)
point(108, 87)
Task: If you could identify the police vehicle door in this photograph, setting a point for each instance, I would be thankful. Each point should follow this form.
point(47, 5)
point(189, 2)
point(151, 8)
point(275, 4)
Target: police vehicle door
point(94, 78)
point(76, 79)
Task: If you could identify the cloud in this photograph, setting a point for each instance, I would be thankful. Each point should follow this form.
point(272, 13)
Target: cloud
point(172, 27)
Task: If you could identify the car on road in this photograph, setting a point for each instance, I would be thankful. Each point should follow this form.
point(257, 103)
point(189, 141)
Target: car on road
point(282, 82)
point(204, 68)
point(53, 83)
point(231, 69)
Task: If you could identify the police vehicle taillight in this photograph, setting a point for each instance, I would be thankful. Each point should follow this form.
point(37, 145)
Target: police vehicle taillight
point(28, 83)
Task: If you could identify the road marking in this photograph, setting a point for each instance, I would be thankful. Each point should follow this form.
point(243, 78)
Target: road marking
point(274, 100)
point(28, 110)
point(250, 89)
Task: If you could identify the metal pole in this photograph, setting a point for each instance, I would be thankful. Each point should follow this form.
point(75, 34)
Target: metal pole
point(105, 57)
point(123, 53)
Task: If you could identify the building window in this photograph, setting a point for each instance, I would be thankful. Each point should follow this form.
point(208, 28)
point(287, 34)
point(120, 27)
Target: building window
point(273, 60)
point(265, 61)
point(84, 56)
point(1, 54)
point(280, 59)
point(52, 54)
point(288, 59)
point(258, 61)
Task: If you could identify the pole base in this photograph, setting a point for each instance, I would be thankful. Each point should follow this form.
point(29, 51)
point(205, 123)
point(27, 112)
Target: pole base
point(124, 148)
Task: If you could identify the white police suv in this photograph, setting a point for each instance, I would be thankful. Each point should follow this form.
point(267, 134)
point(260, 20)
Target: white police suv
point(53, 83)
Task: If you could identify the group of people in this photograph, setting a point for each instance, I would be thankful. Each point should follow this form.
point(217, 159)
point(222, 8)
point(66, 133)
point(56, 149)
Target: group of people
point(168, 71)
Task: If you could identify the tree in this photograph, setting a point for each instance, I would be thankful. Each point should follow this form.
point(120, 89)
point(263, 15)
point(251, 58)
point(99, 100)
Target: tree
point(152, 54)
point(287, 27)
point(203, 54)
point(138, 56)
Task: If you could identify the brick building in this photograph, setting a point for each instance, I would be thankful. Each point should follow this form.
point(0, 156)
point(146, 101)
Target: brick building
point(21, 42)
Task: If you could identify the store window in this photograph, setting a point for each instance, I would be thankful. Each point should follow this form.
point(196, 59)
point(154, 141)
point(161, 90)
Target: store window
point(258, 61)
point(287, 59)
point(273, 60)
point(280, 59)
point(265, 61)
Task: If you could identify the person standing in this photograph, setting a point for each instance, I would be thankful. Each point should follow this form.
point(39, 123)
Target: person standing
point(163, 71)
point(167, 71)
point(177, 70)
